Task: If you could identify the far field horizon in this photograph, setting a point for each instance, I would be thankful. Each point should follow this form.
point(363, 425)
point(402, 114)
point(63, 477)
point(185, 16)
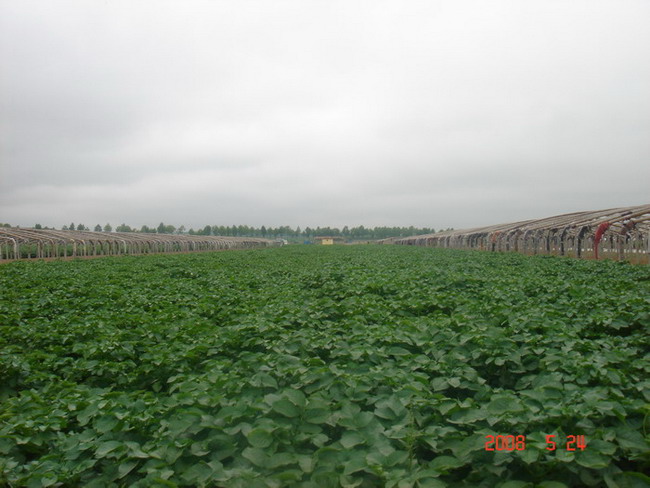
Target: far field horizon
point(358, 232)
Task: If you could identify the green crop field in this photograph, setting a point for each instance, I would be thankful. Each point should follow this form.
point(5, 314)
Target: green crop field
point(311, 366)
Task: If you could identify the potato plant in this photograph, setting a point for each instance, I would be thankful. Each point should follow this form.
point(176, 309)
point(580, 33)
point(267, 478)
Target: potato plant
point(351, 366)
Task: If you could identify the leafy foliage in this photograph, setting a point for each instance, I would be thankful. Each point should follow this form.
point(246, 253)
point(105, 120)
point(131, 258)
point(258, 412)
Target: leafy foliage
point(323, 366)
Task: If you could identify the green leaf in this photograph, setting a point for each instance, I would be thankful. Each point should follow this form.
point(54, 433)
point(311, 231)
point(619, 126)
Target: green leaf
point(199, 472)
point(164, 482)
point(355, 464)
point(630, 439)
point(447, 406)
point(396, 457)
point(286, 408)
point(281, 459)
point(564, 456)
point(431, 483)
point(637, 479)
point(259, 438)
point(504, 403)
point(317, 415)
point(256, 456)
point(170, 453)
point(591, 459)
point(106, 423)
point(264, 379)
point(363, 419)
point(306, 463)
point(515, 484)
point(5, 445)
point(529, 455)
point(135, 450)
point(445, 463)
point(551, 484)
point(439, 384)
point(602, 447)
point(398, 351)
point(467, 416)
point(296, 397)
point(87, 413)
point(431, 440)
point(319, 440)
point(106, 447)
point(126, 468)
point(385, 413)
point(351, 439)
point(199, 449)
point(48, 480)
point(288, 477)
point(396, 406)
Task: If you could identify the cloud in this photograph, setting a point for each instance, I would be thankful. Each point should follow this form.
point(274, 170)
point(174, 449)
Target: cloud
point(442, 114)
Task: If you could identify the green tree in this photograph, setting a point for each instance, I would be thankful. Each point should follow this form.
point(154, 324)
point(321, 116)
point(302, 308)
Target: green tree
point(108, 228)
point(123, 228)
point(98, 228)
point(38, 226)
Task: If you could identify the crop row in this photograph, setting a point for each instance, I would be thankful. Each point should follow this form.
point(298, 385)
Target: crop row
point(315, 367)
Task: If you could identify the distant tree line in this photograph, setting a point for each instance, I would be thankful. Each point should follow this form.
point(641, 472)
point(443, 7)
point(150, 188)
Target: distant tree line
point(358, 233)
point(286, 232)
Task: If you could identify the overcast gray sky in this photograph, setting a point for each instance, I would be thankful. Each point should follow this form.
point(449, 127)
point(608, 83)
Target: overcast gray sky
point(321, 113)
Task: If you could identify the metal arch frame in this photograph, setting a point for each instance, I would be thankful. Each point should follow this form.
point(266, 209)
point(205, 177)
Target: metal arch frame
point(571, 234)
point(14, 240)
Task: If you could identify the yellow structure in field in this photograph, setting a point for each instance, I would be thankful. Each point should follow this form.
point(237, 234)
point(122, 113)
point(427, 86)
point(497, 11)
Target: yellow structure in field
point(327, 240)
